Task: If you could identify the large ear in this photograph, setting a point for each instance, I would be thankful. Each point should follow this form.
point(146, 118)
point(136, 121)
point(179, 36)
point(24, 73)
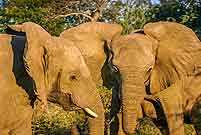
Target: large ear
point(35, 53)
point(178, 53)
point(106, 31)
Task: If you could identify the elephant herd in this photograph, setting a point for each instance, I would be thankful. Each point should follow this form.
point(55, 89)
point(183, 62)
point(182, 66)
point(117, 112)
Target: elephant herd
point(158, 65)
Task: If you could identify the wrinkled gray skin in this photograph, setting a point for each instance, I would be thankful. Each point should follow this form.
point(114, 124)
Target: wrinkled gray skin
point(49, 66)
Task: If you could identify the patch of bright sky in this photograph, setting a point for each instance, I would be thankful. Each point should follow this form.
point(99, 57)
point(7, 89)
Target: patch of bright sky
point(155, 1)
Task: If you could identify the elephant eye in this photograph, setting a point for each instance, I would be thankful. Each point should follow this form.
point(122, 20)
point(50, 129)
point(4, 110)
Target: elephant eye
point(73, 78)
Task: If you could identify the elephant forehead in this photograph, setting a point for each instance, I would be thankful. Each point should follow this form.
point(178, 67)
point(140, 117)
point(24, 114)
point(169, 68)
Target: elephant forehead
point(135, 47)
point(76, 60)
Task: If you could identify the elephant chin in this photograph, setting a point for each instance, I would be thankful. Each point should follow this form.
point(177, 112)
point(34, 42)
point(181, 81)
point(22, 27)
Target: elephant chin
point(91, 113)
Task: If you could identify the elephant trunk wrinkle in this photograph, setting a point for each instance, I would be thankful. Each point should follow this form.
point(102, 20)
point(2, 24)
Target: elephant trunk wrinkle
point(97, 107)
point(132, 96)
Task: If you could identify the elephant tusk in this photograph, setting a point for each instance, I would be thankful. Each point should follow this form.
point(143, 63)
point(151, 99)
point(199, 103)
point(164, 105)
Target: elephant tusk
point(90, 112)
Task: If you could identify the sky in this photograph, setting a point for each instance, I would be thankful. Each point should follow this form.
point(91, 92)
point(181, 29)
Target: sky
point(155, 1)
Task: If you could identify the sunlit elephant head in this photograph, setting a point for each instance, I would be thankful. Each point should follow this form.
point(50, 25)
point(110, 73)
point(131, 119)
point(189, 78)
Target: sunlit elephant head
point(91, 38)
point(57, 65)
point(134, 56)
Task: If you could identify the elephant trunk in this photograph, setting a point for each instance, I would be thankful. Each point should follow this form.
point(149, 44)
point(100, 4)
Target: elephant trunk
point(96, 125)
point(132, 96)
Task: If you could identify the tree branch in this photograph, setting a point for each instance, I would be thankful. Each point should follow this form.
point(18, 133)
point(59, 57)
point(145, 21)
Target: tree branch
point(71, 14)
point(101, 7)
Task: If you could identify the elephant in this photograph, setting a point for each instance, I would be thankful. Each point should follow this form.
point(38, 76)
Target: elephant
point(134, 73)
point(151, 60)
point(36, 65)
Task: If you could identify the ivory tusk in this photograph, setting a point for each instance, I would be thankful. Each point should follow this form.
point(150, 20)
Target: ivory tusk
point(90, 112)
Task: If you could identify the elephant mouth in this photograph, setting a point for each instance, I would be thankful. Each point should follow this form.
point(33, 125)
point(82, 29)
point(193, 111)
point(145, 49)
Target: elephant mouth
point(77, 102)
point(90, 112)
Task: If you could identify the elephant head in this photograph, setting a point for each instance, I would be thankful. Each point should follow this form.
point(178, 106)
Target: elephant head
point(57, 65)
point(134, 56)
point(91, 38)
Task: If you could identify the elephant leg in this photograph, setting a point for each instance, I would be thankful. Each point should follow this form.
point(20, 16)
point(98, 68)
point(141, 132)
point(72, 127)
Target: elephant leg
point(196, 116)
point(171, 101)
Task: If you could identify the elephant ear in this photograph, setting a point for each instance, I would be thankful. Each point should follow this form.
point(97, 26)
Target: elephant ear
point(35, 53)
point(178, 53)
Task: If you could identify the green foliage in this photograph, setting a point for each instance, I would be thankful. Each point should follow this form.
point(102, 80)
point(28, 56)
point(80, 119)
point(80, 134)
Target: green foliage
point(146, 127)
point(189, 129)
point(56, 121)
point(184, 12)
point(128, 15)
point(2, 20)
point(133, 19)
point(27, 3)
point(45, 13)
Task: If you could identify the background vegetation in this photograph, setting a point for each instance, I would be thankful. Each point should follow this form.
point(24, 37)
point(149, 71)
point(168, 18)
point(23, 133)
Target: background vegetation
point(131, 14)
